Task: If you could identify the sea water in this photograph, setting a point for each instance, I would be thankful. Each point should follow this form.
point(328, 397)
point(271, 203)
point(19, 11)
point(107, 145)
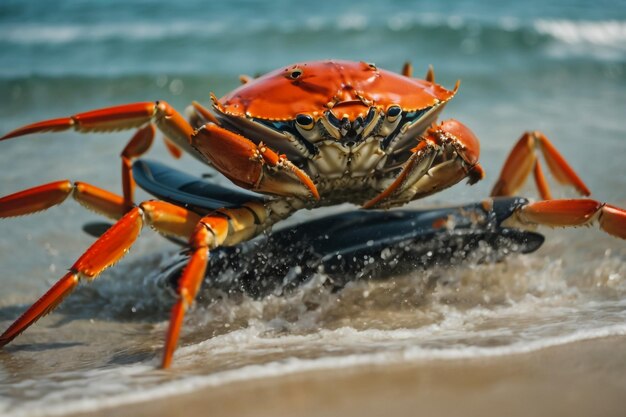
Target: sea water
point(559, 68)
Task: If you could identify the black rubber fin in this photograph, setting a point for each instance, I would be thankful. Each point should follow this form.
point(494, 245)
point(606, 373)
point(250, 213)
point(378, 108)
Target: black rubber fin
point(185, 190)
point(367, 245)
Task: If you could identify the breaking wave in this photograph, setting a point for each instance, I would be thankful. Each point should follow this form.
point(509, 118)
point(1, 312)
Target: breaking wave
point(602, 32)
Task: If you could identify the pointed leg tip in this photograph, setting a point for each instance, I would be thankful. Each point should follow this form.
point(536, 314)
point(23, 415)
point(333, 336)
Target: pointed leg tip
point(166, 363)
point(4, 341)
point(584, 191)
point(9, 335)
point(52, 125)
point(13, 134)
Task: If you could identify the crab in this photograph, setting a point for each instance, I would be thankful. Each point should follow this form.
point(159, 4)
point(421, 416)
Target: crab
point(306, 135)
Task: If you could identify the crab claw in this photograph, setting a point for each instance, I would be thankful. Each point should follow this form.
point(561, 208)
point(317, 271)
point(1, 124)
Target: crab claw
point(251, 166)
point(467, 144)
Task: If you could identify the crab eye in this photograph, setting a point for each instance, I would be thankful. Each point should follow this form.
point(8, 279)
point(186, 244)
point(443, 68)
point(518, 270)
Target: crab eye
point(393, 112)
point(294, 73)
point(369, 66)
point(305, 121)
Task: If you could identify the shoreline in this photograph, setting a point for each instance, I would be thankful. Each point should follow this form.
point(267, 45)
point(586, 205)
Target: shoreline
point(582, 378)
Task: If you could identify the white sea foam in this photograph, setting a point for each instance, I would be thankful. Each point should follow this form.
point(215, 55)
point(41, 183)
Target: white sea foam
point(545, 313)
point(606, 33)
point(100, 388)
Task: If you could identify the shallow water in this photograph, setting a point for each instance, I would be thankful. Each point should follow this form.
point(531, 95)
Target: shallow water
point(560, 68)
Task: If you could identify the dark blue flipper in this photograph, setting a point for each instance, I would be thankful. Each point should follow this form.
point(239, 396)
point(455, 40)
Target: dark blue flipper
point(367, 245)
point(186, 190)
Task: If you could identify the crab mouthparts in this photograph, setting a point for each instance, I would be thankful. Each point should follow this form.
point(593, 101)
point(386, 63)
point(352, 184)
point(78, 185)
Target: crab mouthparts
point(349, 130)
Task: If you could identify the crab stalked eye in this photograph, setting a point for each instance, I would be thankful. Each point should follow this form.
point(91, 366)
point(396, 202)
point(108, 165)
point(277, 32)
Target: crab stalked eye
point(369, 66)
point(294, 73)
point(305, 121)
point(393, 112)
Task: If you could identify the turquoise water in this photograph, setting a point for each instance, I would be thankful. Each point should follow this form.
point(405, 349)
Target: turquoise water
point(558, 67)
point(120, 38)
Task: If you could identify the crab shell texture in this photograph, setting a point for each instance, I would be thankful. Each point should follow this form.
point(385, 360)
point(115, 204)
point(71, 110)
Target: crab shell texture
point(349, 125)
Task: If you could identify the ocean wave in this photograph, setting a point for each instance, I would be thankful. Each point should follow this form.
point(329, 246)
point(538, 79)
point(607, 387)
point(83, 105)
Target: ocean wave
point(195, 47)
point(88, 387)
point(607, 33)
point(602, 32)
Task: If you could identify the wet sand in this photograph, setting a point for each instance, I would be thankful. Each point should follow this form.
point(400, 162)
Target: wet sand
point(585, 378)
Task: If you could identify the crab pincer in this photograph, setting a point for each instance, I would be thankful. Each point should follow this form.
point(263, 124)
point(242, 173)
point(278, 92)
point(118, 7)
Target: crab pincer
point(252, 166)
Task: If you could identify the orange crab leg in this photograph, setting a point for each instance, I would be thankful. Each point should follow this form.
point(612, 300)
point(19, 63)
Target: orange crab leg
point(43, 306)
point(574, 212)
point(108, 249)
point(224, 226)
point(613, 220)
point(170, 219)
point(210, 233)
point(126, 116)
point(112, 118)
point(516, 168)
point(104, 252)
point(248, 164)
point(138, 145)
point(415, 167)
point(172, 148)
point(205, 113)
point(412, 181)
point(187, 289)
point(559, 167)
point(540, 181)
point(45, 196)
point(99, 200)
point(35, 199)
point(521, 161)
point(221, 227)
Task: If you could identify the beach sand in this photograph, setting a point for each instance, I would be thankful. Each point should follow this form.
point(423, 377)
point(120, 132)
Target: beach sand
point(586, 378)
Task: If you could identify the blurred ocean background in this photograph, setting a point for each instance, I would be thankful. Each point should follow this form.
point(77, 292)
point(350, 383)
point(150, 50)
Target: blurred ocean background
point(558, 66)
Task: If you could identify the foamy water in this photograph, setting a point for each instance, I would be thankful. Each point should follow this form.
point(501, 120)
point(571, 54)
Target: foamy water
point(521, 306)
point(108, 388)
